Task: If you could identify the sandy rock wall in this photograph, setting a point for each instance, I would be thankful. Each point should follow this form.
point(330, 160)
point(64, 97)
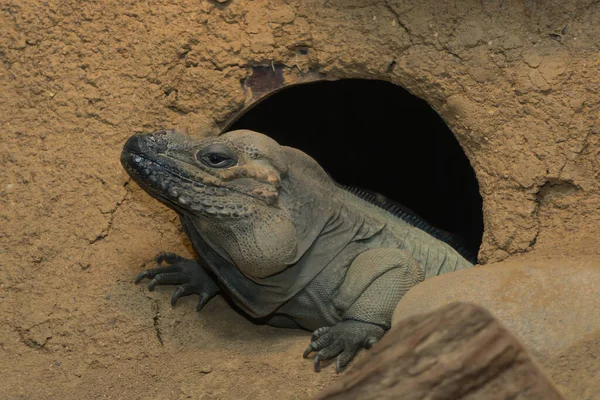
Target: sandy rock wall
point(517, 81)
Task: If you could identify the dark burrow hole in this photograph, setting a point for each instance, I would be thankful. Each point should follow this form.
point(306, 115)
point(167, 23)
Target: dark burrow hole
point(377, 136)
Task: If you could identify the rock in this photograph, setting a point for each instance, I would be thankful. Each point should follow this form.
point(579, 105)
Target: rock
point(548, 305)
point(576, 371)
point(459, 351)
point(38, 335)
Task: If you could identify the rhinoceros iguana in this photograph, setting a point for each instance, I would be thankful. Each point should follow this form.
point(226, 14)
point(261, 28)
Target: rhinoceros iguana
point(282, 240)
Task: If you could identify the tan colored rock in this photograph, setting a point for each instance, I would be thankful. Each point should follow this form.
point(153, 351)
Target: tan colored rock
point(576, 371)
point(456, 352)
point(552, 306)
point(548, 305)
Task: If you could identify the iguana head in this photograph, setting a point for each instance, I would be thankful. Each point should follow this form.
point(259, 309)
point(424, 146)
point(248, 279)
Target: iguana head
point(225, 177)
point(236, 189)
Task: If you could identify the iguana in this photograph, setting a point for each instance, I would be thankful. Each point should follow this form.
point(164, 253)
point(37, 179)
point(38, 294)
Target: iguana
point(281, 239)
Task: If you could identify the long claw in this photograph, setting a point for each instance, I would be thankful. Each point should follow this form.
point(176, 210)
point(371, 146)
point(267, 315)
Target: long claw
point(187, 274)
point(204, 299)
point(343, 360)
point(338, 366)
point(308, 350)
point(182, 290)
point(152, 272)
point(172, 278)
point(317, 363)
point(141, 276)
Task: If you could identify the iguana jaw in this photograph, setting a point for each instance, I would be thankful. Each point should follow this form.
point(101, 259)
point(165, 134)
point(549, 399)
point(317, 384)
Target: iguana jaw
point(163, 163)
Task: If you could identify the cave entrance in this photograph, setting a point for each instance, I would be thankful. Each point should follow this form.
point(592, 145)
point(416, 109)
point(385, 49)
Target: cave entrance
point(377, 136)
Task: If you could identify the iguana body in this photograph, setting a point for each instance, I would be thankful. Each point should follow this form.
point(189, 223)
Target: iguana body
point(282, 239)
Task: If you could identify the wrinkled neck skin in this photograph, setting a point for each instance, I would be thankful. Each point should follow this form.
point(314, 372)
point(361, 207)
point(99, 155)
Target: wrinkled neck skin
point(260, 259)
point(274, 237)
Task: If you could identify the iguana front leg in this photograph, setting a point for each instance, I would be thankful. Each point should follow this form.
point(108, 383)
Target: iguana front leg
point(187, 273)
point(375, 282)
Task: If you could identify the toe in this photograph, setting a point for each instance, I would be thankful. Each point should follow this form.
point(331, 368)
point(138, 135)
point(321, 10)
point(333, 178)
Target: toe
point(318, 344)
point(343, 359)
point(152, 272)
point(319, 332)
point(204, 299)
point(328, 353)
point(142, 275)
point(308, 350)
point(183, 290)
point(369, 342)
point(317, 363)
point(169, 278)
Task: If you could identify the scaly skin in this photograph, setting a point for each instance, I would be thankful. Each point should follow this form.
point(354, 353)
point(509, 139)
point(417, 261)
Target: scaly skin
point(281, 239)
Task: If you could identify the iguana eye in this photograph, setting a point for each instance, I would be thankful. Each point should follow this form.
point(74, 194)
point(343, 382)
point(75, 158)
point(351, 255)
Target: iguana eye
point(217, 156)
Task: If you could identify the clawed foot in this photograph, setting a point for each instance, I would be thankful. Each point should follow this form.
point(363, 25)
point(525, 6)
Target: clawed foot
point(342, 340)
point(187, 273)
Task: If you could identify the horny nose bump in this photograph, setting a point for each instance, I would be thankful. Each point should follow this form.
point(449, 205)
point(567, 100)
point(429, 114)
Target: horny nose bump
point(133, 145)
point(159, 133)
point(142, 143)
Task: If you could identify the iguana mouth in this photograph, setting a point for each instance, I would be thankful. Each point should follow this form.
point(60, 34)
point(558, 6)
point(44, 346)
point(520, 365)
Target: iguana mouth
point(156, 178)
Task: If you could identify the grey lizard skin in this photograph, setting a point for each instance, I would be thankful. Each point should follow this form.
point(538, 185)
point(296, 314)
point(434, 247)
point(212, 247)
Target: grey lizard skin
point(275, 234)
